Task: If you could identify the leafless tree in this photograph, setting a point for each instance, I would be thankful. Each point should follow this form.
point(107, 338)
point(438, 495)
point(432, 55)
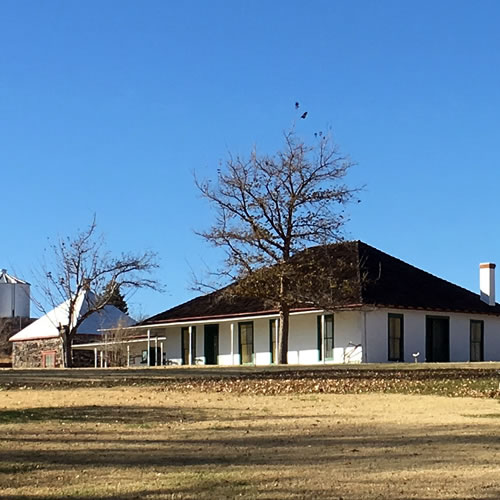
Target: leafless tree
point(81, 264)
point(116, 344)
point(271, 208)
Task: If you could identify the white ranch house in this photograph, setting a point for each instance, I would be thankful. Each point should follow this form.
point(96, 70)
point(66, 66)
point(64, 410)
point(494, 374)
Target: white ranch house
point(395, 313)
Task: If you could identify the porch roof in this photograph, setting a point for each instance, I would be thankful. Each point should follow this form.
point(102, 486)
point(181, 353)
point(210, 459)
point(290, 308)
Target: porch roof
point(94, 345)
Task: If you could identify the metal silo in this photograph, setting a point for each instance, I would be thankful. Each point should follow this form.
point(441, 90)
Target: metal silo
point(14, 296)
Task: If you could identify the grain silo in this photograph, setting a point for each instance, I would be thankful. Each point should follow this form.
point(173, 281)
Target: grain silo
point(14, 296)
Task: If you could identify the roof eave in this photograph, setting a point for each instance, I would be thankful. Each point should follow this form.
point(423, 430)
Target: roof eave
point(432, 309)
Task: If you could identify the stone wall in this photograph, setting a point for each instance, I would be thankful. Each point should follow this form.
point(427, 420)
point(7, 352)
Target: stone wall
point(29, 353)
point(8, 327)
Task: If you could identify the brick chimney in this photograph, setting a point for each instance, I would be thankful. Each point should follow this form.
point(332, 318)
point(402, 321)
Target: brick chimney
point(487, 282)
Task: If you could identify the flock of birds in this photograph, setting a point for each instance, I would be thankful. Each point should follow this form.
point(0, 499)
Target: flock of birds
point(304, 114)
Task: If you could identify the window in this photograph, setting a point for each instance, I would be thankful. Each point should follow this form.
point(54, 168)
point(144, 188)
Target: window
point(327, 348)
point(476, 340)
point(49, 359)
point(396, 337)
point(185, 345)
point(154, 355)
point(273, 339)
point(246, 342)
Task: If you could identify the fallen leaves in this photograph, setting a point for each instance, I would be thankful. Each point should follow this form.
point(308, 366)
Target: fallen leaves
point(447, 381)
point(455, 383)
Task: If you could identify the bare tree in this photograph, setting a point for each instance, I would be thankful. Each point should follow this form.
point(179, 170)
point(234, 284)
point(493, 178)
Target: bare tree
point(269, 209)
point(82, 269)
point(116, 344)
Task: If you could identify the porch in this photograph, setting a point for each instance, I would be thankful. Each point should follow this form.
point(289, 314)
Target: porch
point(315, 337)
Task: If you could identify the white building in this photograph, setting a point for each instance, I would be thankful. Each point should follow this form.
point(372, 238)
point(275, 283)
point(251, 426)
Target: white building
point(39, 345)
point(391, 312)
point(14, 296)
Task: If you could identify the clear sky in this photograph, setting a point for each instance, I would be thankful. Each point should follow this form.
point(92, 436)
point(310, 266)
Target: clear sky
point(109, 106)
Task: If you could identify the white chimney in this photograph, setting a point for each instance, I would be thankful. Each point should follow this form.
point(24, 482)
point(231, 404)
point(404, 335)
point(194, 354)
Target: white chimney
point(487, 282)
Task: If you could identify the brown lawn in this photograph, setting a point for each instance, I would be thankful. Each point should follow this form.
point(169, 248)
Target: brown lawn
point(143, 442)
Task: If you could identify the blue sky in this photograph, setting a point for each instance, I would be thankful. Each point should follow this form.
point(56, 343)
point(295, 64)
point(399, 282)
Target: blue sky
point(108, 107)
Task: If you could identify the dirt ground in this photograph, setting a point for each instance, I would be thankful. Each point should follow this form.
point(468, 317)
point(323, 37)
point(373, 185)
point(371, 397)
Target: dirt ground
point(143, 442)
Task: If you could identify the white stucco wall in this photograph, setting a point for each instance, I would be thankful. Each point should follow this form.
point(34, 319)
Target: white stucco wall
point(377, 343)
point(172, 345)
point(302, 340)
point(348, 337)
point(491, 339)
point(415, 333)
point(224, 357)
point(303, 348)
point(358, 336)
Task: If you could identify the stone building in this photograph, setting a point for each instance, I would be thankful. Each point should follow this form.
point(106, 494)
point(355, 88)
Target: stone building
point(39, 345)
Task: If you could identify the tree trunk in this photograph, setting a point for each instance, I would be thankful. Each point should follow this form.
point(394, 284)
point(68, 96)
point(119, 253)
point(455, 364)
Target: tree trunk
point(283, 334)
point(67, 342)
point(284, 320)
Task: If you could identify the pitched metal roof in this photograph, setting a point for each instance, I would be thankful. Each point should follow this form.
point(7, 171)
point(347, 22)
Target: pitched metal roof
point(48, 325)
point(7, 278)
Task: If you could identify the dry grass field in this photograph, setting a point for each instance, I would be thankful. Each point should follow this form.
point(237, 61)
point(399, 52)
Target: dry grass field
point(154, 442)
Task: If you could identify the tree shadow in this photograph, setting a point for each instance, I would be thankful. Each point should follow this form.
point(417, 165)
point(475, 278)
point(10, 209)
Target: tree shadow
point(138, 415)
point(360, 449)
point(239, 446)
point(272, 487)
point(95, 413)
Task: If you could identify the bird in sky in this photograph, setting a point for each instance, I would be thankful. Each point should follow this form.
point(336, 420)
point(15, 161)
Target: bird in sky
point(304, 115)
point(296, 105)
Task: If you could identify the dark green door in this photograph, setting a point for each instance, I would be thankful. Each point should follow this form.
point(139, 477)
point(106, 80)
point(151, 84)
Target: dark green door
point(154, 355)
point(437, 339)
point(211, 344)
point(246, 343)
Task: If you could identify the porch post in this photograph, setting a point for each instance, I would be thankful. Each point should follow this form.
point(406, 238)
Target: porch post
point(95, 357)
point(105, 350)
point(232, 343)
point(149, 346)
point(277, 340)
point(190, 356)
point(161, 353)
point(102, 359)
point(156, 351)
point(128, 355)
point(323, 337)
point(364, 342)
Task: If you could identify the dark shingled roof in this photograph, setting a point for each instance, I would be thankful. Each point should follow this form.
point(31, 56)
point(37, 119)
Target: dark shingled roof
point(212, 305)
point(378, 279)
point(395, 283)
